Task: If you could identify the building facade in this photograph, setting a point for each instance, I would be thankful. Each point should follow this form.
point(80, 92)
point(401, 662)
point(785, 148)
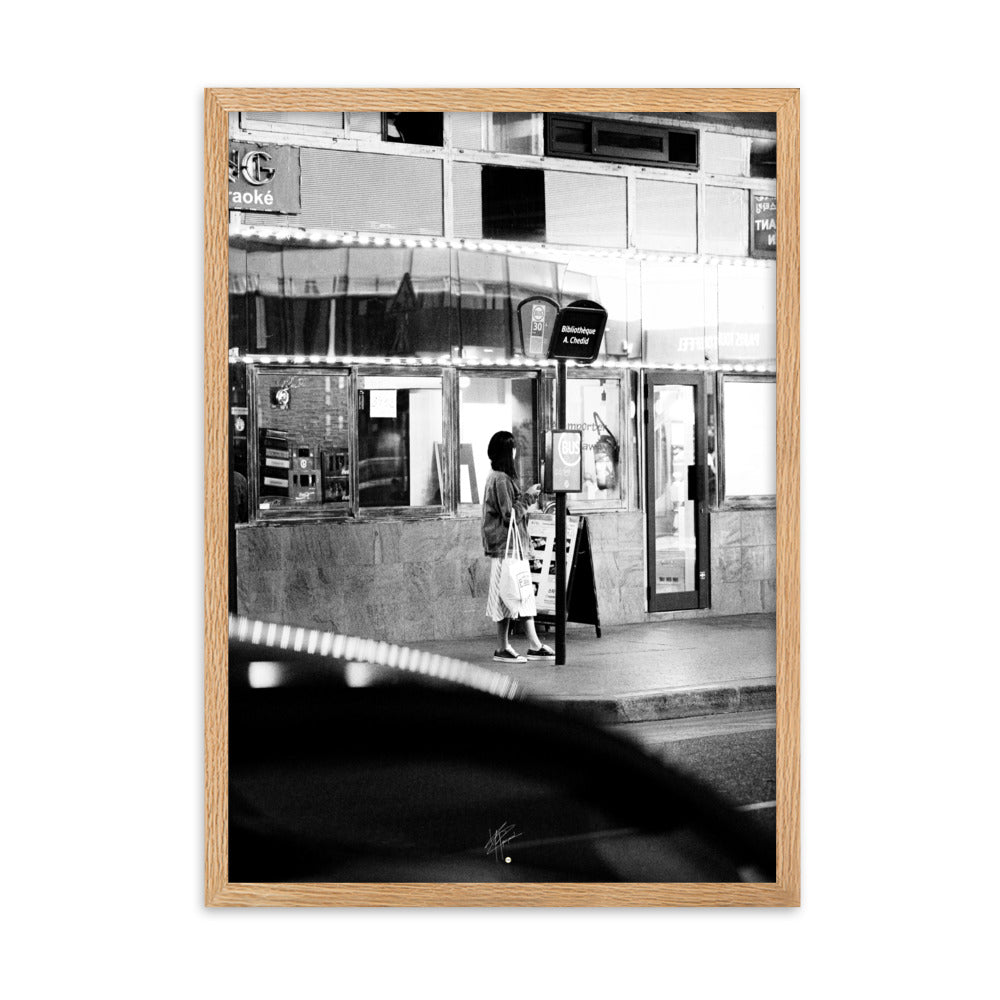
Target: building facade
point(385, 272)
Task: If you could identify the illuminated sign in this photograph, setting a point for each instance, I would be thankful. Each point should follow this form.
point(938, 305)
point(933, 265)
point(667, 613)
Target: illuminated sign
point(264, 178)
point(563, 462)
point(536, 317)
point(578, 332)
point(763, 225)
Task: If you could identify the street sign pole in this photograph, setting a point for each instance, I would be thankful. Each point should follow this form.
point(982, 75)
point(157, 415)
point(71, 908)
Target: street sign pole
point(560, 551)
point(577, 333)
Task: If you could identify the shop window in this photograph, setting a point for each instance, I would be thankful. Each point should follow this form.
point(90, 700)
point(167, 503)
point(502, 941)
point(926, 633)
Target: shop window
point(513, 203)
point(303, 442)
point(594, 407)
point(749, 436)
point(400, 441)
point(414, 127)
point(764, 158)
point(488, 404)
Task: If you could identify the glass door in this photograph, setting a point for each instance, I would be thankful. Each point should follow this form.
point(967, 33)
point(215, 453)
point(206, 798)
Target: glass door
point(677, 556)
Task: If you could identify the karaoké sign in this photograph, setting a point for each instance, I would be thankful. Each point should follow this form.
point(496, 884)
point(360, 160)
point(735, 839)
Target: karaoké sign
point(264, 178)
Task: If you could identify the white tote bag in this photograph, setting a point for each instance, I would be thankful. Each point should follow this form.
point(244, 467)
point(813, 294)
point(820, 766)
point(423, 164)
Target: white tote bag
point(516, 590)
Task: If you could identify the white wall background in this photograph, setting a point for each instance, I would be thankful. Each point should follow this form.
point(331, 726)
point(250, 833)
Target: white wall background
point(102, 722)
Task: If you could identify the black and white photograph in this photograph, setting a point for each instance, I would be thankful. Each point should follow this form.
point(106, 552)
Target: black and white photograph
point(419, 339)
point(459, 343)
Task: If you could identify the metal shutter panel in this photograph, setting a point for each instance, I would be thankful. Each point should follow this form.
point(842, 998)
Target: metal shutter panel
point(467, 192)
point(725, 154)
point(584, 209)
point(467, 130)
point(317, 119)
point(727, 221)
point(367, 192)
point(666, 216)
point(367, 121)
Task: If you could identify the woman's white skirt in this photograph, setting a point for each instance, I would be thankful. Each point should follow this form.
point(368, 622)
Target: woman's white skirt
point(495, 606)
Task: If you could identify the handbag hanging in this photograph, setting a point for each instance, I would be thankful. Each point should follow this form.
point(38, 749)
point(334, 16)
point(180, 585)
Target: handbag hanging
point(516, 589)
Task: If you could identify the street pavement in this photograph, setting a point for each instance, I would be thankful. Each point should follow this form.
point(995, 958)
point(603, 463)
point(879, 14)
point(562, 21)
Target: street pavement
point(734, 754)
point(659, 669)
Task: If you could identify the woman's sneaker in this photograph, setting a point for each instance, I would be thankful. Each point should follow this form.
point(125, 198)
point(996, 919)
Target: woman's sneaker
point(508, 656)
point(542, 653)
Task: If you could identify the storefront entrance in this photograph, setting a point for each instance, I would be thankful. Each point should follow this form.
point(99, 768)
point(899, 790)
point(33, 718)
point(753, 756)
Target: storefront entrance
point(677, 555)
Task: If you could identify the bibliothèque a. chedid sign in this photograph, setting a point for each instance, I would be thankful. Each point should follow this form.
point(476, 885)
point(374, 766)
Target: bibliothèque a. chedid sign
point(578, 332)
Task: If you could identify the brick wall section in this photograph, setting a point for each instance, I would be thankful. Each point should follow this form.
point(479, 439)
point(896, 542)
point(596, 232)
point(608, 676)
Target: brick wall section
point(744, 546)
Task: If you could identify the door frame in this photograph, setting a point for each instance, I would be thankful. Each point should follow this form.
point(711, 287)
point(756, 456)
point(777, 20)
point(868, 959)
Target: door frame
point(701, 596)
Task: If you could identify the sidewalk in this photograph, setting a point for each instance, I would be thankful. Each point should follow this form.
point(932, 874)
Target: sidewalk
point(651, 670)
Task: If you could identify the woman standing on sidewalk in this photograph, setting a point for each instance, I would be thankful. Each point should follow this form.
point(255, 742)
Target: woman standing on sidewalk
point(501, 499)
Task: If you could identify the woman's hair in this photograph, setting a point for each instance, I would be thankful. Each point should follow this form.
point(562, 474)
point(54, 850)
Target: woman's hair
point(501, 453)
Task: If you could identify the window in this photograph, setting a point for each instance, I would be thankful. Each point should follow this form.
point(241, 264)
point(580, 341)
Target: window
point(594, 406)
point(414, 127)
point(616, 141)
point(516, 132)
point(303, 442)
point(764, 158)
point(513, 203)
point(321, 450)
point(400, 441)
point(488, 404)
point(749, 429)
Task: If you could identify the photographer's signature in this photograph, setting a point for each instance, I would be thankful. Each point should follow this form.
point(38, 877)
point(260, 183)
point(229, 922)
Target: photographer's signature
point(499, 840)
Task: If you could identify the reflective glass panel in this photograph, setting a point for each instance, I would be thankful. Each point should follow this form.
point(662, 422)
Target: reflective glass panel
point(400, 441)
point(673, 444)
point(593, 406)
point(488, 405)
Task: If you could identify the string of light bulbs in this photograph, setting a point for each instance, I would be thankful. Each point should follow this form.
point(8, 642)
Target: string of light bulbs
point(446, 361)
point(281, 235)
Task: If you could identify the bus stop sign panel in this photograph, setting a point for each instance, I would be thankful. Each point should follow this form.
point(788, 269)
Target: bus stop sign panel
point(578, 332)
point(563, 466)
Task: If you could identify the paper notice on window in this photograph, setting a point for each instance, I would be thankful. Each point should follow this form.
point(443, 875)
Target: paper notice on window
point(382, 403)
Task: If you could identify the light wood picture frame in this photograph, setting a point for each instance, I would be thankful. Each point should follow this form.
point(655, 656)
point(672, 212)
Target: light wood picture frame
point(219, 891)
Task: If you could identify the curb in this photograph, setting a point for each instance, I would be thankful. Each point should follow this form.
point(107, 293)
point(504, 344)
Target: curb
point(680, 703)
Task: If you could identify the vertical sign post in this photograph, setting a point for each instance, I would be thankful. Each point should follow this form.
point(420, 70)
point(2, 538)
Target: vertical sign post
point(560, 552)
point(576, 336)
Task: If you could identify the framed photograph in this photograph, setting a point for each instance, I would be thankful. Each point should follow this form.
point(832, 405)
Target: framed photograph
point(390, 720)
